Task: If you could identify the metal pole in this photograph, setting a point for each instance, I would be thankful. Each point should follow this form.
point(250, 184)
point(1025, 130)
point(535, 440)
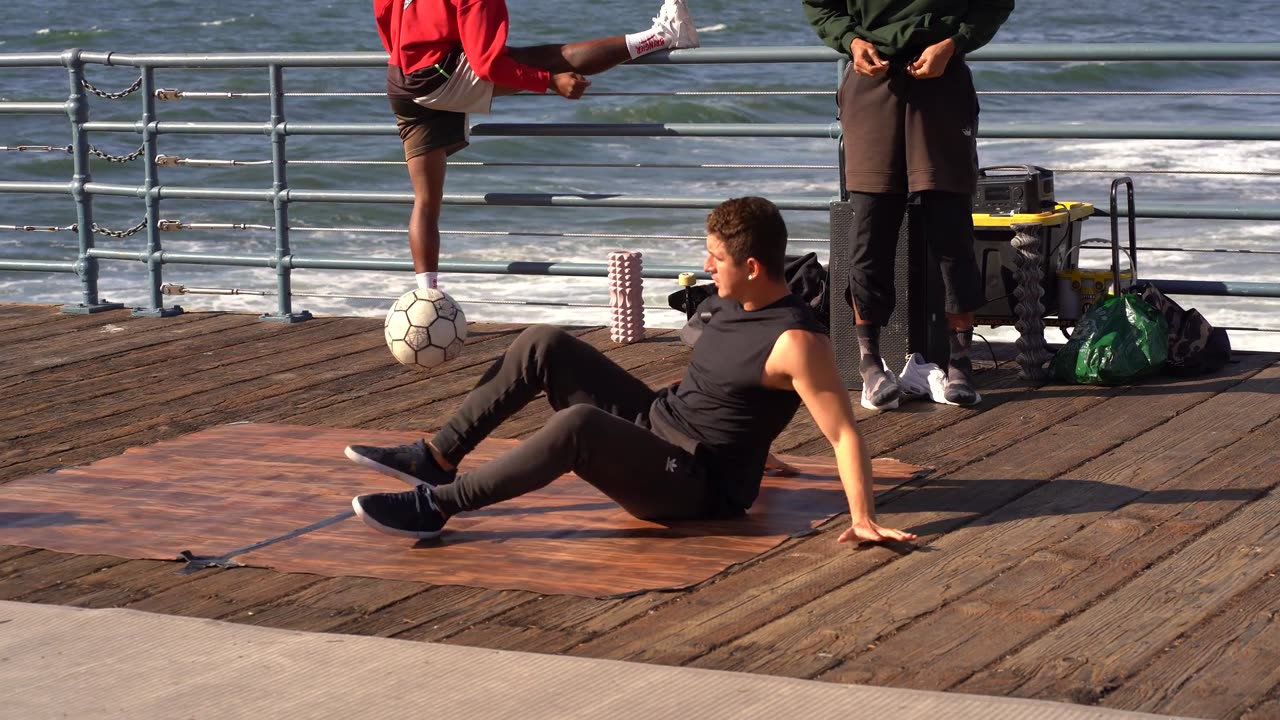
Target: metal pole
point(86, 265)
point(280, 199)
point(155, 259)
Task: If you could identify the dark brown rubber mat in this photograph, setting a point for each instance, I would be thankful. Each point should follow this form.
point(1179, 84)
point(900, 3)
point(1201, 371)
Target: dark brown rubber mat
point(278, 496)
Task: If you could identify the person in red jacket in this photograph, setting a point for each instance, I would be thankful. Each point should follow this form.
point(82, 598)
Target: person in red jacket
point(450, 58)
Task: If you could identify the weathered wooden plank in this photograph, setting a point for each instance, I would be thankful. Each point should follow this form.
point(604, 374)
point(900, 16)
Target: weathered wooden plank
point(1064, 576)
point(1220, 669)
point(35, 571)
point(280, 353)
point(422, 612)
point(224, 594)
point(13, 552)
point(331, 603)
point(520, 639)
point(720, 613)
point(1268, 709)
point(21, 318)
point(117, 585)
point(212, 398)
point(1136, 622)
point(32, 322)
point(52, 390)
point(457, 619)
point(198, 347)
point(98, 339)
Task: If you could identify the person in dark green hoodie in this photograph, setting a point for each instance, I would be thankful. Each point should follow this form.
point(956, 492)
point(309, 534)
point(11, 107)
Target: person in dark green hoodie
point(909, 114)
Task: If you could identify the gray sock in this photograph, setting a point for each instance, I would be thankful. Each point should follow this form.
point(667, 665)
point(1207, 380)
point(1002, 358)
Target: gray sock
point(960, 386)
point(881, 388)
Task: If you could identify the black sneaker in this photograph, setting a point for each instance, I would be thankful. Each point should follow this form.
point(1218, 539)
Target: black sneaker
point(412, 463)
point(411, 513)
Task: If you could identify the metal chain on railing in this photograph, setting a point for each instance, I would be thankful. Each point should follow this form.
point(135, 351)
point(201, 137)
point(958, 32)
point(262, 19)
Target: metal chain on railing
point(37, 148)
point(118, 158)
point(119, 234)
point(113, 95)
point(75, 227)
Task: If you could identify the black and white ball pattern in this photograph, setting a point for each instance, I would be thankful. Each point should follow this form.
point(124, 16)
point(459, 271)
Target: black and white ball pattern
point(425, 328)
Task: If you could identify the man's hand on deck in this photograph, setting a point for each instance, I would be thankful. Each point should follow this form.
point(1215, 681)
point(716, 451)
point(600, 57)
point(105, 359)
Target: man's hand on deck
point(866, 60)
point(869, 531)
point(932, 61)
point(775, 467)
point(569, 85)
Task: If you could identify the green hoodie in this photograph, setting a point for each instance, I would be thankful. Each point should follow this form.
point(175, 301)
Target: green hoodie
point(905, 27)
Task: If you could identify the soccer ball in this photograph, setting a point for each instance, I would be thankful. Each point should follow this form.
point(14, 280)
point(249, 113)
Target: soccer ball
point(425, 328)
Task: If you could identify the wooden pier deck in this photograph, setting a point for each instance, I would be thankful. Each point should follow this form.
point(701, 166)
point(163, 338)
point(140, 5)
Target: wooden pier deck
point(1108, 546)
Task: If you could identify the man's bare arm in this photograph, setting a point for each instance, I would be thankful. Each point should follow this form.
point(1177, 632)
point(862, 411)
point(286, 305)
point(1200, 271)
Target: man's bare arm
point(805, 361)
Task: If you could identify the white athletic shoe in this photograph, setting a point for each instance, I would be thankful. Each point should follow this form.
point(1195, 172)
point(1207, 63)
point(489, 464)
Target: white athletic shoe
point(914, 378)
point(675, 25)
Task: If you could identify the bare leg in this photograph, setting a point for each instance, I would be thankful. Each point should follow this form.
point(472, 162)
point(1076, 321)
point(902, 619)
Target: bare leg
point(426, 171)
point(590, 57)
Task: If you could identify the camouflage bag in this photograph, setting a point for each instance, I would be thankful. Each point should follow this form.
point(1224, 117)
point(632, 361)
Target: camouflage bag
point(1195, 346)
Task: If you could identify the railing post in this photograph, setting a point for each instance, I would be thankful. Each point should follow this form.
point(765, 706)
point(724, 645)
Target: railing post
point(155, 255)
point(280, 199)
point(86, 265)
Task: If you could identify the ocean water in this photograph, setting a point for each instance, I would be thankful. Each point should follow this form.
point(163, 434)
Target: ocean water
point(1163, 171)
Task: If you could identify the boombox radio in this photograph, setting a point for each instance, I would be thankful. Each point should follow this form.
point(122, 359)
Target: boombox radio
point(1006, 189)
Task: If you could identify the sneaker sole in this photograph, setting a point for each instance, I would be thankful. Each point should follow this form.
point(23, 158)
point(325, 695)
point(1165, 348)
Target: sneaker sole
point(977, 398)
point(421, 535)
point(891, 405)
point(363, 461)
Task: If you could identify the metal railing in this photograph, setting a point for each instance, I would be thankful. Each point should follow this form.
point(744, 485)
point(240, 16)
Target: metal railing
point(82, 188)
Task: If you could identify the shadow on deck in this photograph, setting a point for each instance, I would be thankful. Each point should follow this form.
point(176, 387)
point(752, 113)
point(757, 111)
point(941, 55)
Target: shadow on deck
point(1110, 546)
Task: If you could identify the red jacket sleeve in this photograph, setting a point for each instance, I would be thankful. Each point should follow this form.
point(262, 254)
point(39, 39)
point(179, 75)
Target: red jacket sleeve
point(483, 27)
point(382, 14)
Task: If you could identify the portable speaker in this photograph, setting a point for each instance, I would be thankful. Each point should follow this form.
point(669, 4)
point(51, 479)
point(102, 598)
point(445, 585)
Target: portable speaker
point(918, 323)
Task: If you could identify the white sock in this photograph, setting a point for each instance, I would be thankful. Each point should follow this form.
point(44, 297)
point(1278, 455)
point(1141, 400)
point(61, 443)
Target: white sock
point(643, 43)
point(426, 280)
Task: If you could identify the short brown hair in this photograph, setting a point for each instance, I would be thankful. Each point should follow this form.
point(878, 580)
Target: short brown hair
point(751, 227)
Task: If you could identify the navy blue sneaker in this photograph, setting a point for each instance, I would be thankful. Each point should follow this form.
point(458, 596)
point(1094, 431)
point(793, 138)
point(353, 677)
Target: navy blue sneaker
point(411, 513)
point(412, 463)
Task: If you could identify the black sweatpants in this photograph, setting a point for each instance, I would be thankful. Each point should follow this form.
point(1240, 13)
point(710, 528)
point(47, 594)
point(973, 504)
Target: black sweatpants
point(948, 230)
point(600, 431)
point(903, 135)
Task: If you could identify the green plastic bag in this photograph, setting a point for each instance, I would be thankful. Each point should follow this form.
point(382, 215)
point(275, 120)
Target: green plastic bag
point(1118, 340)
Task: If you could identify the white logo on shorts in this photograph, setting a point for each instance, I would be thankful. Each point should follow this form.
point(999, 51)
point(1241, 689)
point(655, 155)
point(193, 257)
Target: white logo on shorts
point(671, 465)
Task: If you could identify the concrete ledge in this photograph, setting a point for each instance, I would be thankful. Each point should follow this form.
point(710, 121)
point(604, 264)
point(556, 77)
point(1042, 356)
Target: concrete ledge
point(67, 662)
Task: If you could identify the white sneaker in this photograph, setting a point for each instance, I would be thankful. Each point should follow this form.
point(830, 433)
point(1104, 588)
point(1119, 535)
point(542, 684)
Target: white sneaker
point(675, 25)
point(914, 378)
point(866, 399)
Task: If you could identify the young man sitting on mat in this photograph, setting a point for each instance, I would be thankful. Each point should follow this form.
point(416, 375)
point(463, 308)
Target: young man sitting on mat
point(695, 450)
